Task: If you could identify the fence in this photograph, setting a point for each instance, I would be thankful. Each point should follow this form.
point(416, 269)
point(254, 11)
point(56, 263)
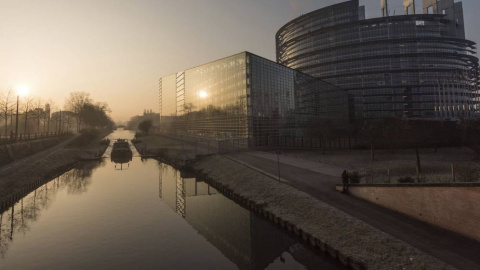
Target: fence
point(311, 142)
point(29, 136)
point(209, 145)
point(431, 172)
point(232, 145)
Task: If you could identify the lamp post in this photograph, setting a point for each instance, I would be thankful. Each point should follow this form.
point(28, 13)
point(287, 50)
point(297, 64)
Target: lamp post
point(16, 119)
point(21, 91)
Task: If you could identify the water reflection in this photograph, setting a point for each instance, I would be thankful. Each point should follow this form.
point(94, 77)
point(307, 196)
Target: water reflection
point(18, 219)
point(245, 239)
point(119, 222)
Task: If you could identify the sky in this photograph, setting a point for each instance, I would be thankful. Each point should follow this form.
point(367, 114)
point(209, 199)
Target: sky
point(118, 49)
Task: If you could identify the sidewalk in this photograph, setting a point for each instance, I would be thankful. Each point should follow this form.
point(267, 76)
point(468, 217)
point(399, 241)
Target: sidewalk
point(309, 177)
point(32, 158)
point(323, 168)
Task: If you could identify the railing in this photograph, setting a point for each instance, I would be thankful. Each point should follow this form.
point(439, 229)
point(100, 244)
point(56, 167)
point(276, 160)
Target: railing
point(431, 172)
point(31, 136)
point(311, 142)
point(233, 145)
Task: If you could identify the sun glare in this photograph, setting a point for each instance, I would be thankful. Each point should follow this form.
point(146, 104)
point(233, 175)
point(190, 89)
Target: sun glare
point(202, 94)
point(23, 90)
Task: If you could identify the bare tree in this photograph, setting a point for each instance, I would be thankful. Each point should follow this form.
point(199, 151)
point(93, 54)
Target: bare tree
point(372, 131)
point(75, 103)
point(38, 112)
point(27, 106)
point(52, 107)
point(6, 106)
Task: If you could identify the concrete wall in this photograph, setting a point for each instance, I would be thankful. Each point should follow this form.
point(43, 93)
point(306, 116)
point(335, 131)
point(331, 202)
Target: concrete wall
point(11, 152)
point(455, 207)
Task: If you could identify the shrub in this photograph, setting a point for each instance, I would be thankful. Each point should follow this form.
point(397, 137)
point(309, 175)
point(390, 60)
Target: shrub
point(85, 138)
point(468, 172)
point(145, 126)
point(354, 177)
point(406, 179)
point(105, 142)
point(136, 141)
point(139, 135)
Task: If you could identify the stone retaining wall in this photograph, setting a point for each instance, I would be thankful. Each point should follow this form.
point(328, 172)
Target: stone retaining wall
point(453, 206)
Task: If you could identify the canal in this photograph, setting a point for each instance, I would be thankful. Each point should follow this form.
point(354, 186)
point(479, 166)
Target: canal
point(141, 215)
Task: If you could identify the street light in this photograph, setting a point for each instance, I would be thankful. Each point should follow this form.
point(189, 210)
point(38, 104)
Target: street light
point(21, 91)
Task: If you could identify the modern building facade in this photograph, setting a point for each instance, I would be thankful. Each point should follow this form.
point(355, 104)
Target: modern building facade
point(245, 96)
point(414, 65)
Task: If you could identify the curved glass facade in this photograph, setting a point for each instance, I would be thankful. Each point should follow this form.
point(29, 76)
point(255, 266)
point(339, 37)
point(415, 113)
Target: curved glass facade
point(399, 66)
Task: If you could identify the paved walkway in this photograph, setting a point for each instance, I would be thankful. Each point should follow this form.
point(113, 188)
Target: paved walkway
point(319, 180)
point(313, 166)
point(32, 158)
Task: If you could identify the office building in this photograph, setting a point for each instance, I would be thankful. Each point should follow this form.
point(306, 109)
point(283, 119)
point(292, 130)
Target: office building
point(410, 66)
point(247, 97)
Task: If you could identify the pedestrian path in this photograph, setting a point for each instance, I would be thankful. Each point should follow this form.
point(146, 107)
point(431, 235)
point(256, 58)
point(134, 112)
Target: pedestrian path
point(32, 158)
point(323, 168)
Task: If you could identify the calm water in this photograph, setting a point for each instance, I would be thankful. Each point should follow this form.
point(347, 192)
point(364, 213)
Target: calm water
point(147, 215)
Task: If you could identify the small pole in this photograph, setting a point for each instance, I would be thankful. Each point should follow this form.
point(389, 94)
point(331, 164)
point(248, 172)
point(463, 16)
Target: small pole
point(278, 160)
point(453, 172)
point(184, 157)
point(418, 174)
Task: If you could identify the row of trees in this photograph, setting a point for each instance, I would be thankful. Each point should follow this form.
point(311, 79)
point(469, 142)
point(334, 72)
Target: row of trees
point(397, 133)
point(36, 115)
point(148, 115)
point(87, 112)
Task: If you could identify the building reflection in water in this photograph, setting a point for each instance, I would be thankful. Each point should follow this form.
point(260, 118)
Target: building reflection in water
point(245, 239)
point(18, 218)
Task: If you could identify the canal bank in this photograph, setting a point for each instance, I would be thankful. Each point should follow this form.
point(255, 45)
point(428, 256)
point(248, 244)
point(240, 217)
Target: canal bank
point(351, 241)
point(348, 239)
point(26, 174)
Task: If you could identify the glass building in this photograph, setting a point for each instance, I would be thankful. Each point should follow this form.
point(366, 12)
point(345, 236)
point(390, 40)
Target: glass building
point(415, 66)
point(245, 96)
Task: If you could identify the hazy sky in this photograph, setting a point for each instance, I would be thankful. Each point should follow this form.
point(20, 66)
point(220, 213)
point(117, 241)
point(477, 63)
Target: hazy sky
point(118, 49)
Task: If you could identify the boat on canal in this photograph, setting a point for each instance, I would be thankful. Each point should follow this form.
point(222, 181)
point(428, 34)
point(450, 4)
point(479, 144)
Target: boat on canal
point(121, 152)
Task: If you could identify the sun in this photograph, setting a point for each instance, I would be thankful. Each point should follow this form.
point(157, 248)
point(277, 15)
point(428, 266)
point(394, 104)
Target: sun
point(202, 94)
point(23, 90)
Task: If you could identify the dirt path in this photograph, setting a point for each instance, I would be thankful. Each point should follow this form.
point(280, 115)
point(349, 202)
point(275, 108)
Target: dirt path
point(42, 154)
